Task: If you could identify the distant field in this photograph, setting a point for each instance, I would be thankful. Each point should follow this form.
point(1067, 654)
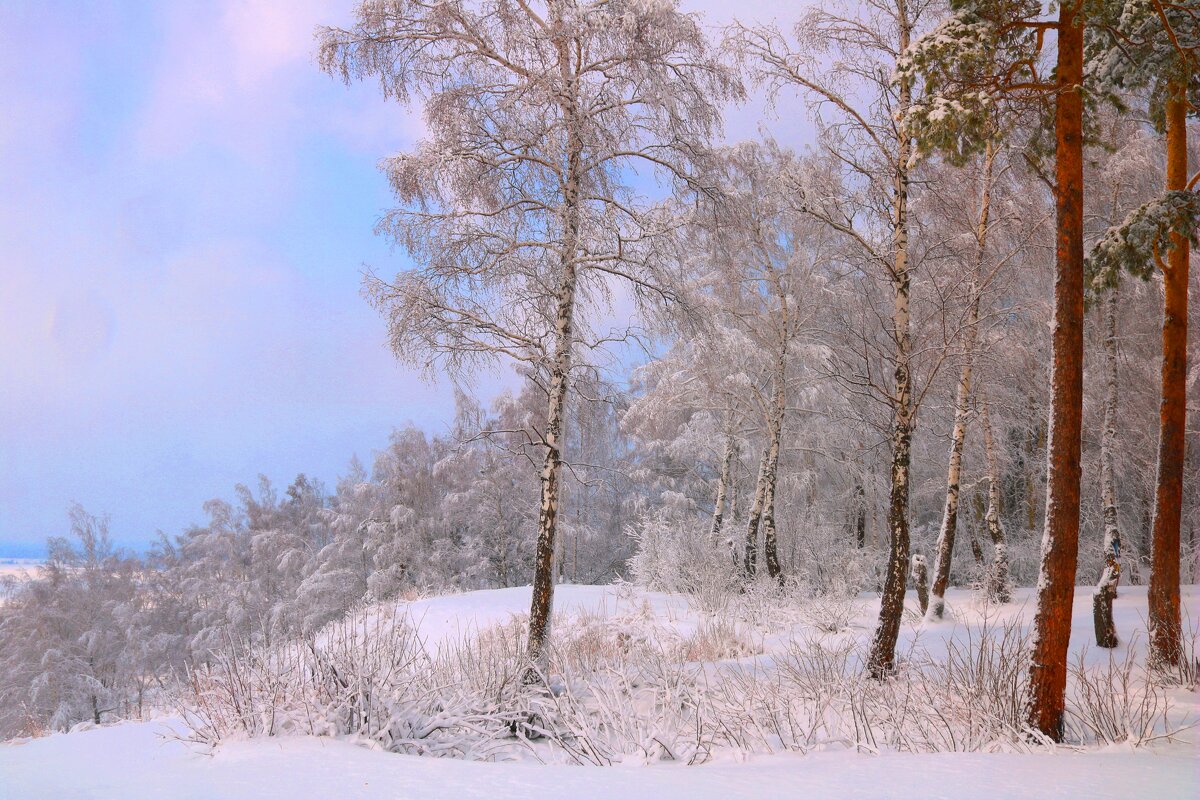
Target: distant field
point(7, 562)
point(18, 569)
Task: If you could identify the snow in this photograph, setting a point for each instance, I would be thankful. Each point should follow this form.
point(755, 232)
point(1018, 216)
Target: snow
point(442, 619)
point(135, 760)
point(131, 762)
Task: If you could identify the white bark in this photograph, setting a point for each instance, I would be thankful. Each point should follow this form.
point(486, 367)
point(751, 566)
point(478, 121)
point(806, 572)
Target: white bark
point(1106, 589)
point(723, 481)
point(998, 585)
point(882, 655)
point(945, 545)
point(542, 603)
point(1111, 549)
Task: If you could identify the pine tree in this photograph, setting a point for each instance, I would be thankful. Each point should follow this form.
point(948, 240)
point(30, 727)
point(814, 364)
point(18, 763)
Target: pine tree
point(1155, 45)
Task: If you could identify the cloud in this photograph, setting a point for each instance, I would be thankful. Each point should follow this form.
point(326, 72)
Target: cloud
point(241, 73)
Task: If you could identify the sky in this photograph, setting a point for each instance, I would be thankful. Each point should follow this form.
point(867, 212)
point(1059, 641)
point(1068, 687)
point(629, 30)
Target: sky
point(186, 210)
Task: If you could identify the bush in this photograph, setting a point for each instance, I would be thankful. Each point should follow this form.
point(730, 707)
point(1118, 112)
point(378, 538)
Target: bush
point(628, 687)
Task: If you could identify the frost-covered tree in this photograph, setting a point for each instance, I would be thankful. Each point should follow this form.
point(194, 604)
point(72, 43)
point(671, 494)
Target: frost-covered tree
point(65, 656)
point(517, 205)
point(688, 416)
point(1121, 180)
point(988, 232)
point(776, 255)
point(843, 61)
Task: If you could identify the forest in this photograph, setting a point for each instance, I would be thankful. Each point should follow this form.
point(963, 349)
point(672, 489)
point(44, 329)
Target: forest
point(941, 362)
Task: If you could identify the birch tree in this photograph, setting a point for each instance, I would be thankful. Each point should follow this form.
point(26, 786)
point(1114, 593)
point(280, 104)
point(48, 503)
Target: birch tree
point(962, 397)
point(771, 251)
point(1000, 219)
point(516, 206)
point(1110, 548)
point(1122, 180)
point(998, 587)
point(855, 96)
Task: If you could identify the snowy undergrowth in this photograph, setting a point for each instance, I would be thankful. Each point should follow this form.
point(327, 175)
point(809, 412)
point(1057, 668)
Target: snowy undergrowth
point(639, 676)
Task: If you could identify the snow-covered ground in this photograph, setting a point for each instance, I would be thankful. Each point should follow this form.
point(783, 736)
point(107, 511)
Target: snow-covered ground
point(130, 761)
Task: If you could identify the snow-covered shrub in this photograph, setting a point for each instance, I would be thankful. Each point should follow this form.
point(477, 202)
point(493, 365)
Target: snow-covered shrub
point(645, 710)
point(1186, 672)
point(829, 613)
point(976, 693)
point(367, 676)
point(716, 639)
point(827, 566)
point(1116, 701)
point(675, 555)
point(633, 687)
point(970, 698)
point(801, 704)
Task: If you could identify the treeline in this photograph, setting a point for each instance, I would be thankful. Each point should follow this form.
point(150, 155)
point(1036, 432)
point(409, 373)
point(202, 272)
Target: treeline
point(97, 631)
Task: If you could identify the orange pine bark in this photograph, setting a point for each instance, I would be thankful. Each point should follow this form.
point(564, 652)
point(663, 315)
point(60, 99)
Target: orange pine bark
point(1168, 495)
point(1056, 583)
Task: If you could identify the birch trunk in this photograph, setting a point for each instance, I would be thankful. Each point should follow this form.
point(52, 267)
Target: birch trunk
point(770, 536)
point(946, 536)
point(945, 544)
point(860, 516)
point(1110, 550)
point(723, 482)
point(762, 511)
point(750, 557)
point(1060, 540)
point(882, 656)
point(920, 574)
point(998, 588)
point(976, 550)
point(542, 602)
point(1165, 624)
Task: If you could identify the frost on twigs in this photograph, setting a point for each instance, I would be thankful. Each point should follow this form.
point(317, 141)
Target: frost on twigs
point(1143, 238)
point(640, 686)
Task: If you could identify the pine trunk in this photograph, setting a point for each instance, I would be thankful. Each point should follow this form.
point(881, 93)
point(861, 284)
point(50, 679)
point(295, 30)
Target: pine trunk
point(1060, 540)
point(1165, 625)
point(1110, 551)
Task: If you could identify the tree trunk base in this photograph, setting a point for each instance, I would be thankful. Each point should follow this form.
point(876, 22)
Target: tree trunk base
point(1106, 630)
point(920, 573)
